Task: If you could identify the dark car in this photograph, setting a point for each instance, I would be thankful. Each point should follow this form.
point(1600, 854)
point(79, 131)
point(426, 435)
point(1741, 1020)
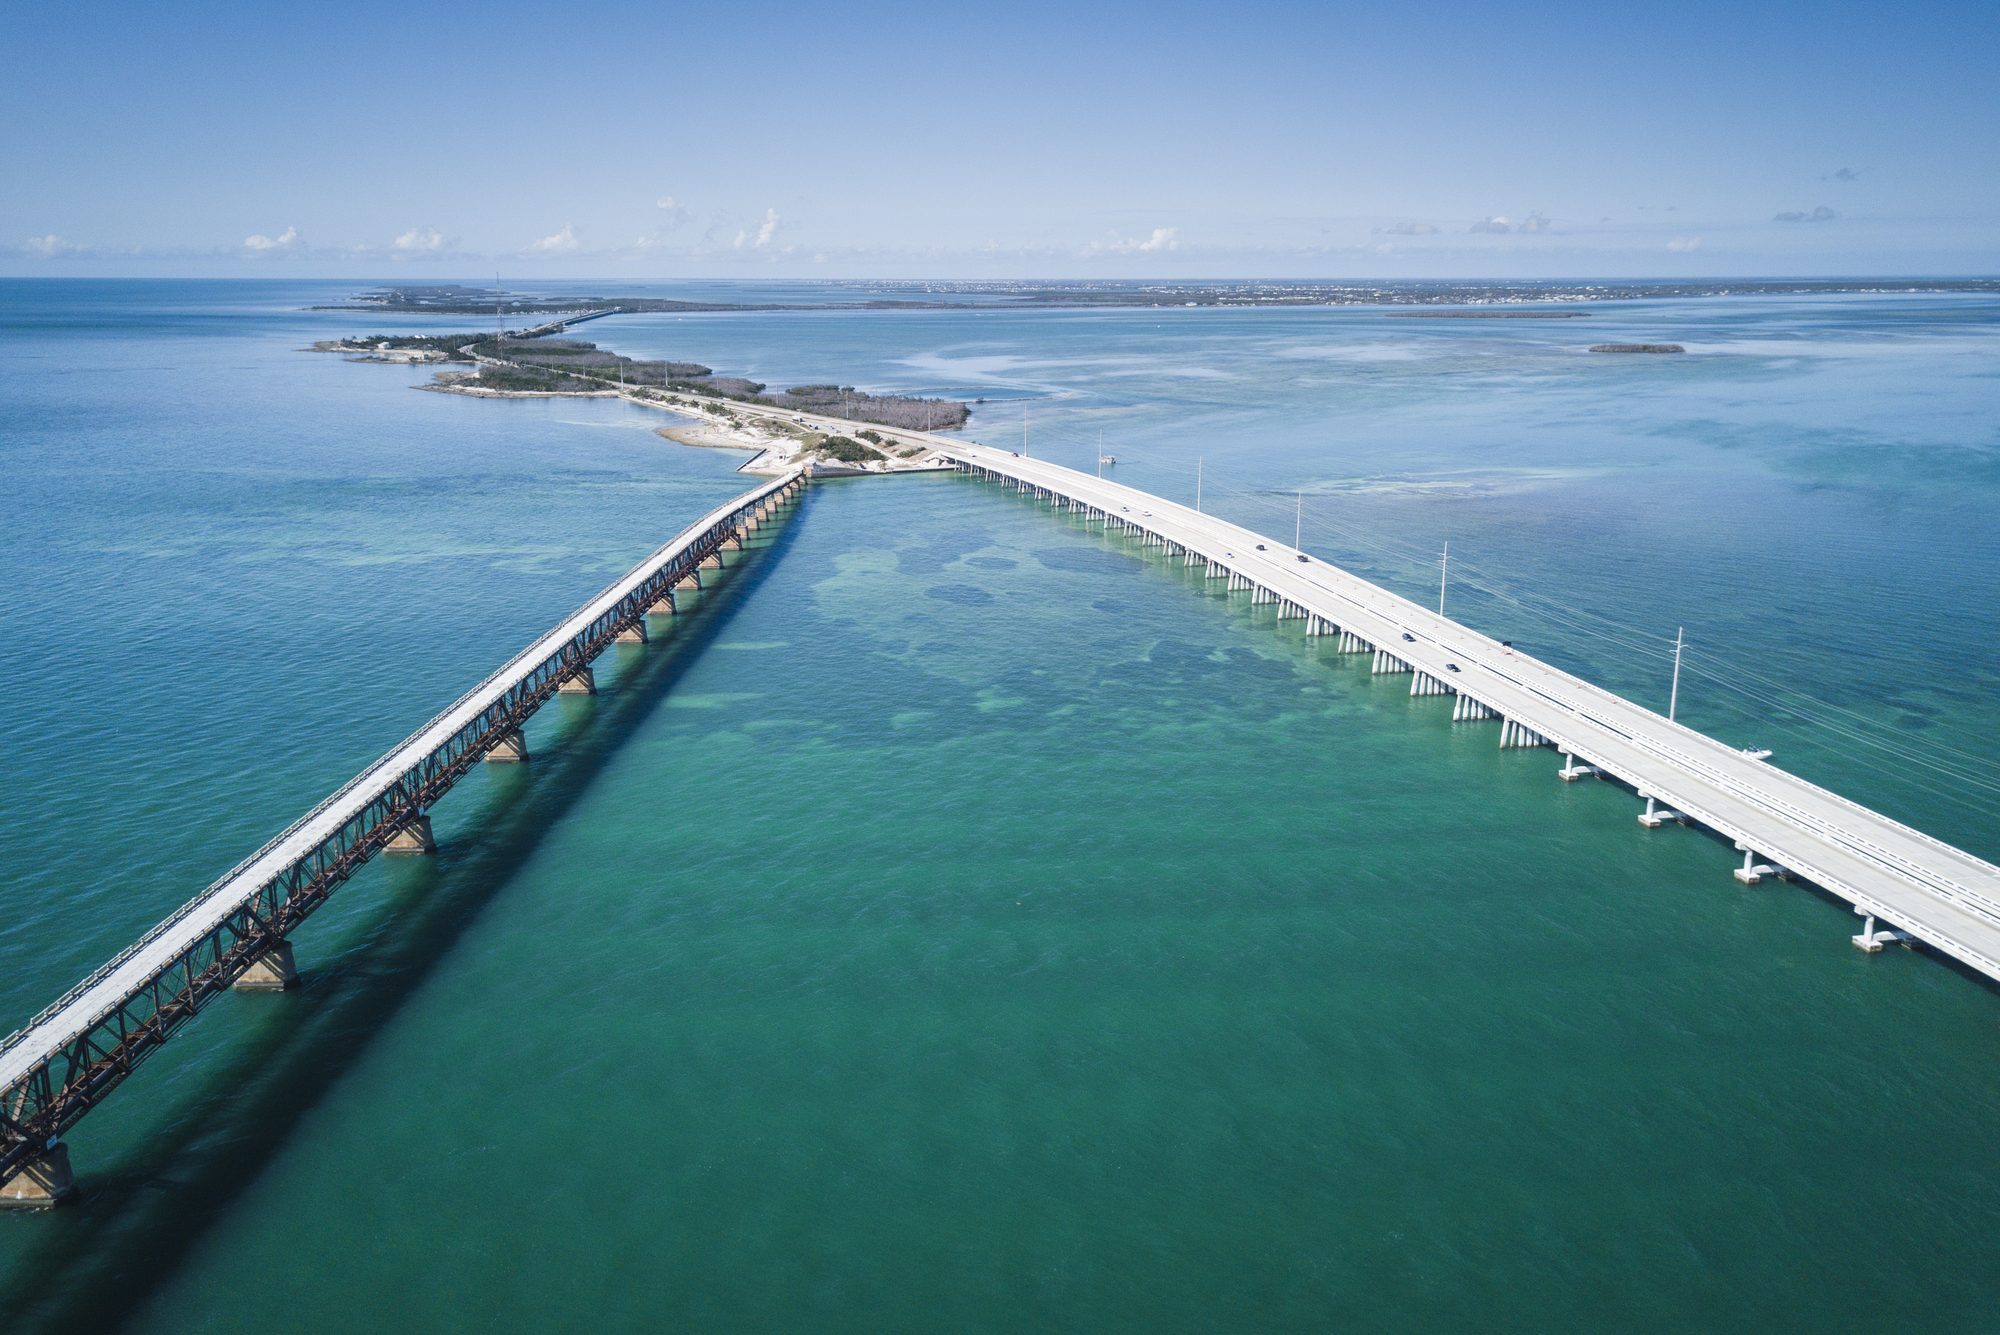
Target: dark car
point(1411, 638)
point(1260, 546)
point(1451, 667)
point(1303, 558)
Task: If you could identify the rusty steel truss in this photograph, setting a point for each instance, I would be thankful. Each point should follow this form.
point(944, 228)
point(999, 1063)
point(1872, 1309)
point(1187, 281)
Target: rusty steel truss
point(88, 1052)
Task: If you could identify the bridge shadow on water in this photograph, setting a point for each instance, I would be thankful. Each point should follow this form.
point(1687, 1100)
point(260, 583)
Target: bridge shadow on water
point(106, 1256)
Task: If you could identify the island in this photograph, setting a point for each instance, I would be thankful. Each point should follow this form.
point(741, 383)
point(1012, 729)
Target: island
point(1637, 347)
point(812, 424)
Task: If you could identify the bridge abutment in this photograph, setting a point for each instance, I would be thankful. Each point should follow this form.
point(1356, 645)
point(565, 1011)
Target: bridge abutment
point(43, 1181)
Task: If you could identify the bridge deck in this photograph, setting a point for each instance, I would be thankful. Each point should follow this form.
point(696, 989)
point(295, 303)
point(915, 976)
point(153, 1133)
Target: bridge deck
point(1939, 894)
point(100, 1028)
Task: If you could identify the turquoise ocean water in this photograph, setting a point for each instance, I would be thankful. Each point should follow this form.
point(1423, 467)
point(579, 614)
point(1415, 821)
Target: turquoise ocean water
point(967, 921)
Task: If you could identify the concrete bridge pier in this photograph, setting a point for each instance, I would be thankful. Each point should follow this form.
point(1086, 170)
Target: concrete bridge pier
point(1653, 817)
point(1571, 771)
point(1385, 663)
point(1752, 871)
point(583, 681)
point(43, 1181)
point(713, 561)
point(274, 971)
point(414, 839)
point(1872, 938)
point(508, 748)
point(663, 606)
point(632, 634)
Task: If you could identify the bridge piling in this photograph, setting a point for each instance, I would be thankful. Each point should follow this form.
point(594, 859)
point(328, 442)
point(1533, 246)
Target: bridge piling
point(509, 748)
point(1571, 771)
point(276, 970)
point(1653, 817)
point(42, 1181)
point(583, 681)
point(1752, 870)
point(414, 839)
point(1871, 939)
point(632, 634)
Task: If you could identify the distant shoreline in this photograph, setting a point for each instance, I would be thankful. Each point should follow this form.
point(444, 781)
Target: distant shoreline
point(908, 296)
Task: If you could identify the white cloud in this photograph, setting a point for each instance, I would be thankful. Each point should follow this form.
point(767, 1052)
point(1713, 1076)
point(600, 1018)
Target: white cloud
point(421, 240)
point(559, 243)
point(1410, 229)
point(1159, 239)
point(1680, 245)
point(1819, 214)
point(49, 246)
point(765, 231)
point(676, 212)
point(261, 244)
point(1497, 223)
point(1535, 222)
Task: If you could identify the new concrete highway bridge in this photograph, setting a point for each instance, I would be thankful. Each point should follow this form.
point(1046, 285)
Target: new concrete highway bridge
point(235, 934)
point(1908, 886)
point(1904, 883)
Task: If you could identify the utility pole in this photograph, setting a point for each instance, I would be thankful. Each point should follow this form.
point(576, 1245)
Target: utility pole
point(1197, 484)
point(1444, 570)
point(1298, 521)
point(1024, 428)
point(1674, 695)
point(1100, 454)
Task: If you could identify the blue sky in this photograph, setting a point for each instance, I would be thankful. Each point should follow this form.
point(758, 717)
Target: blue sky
point(786, 140)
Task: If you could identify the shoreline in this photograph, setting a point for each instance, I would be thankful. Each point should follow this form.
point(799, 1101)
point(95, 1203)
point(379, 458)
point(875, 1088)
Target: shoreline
point(777, 436)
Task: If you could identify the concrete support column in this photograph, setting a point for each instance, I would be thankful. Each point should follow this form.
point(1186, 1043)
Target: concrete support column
point(512, 748)
point(691, 580)
point(1571, 771)
point(632, 634)
point(274, 971)
point(1873, 938)
point(1654, 816)
point(583, 681)
point(414, 838)
point(663, 606)
point(713, 561)
point(41, 1182)
point(1752, 871)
